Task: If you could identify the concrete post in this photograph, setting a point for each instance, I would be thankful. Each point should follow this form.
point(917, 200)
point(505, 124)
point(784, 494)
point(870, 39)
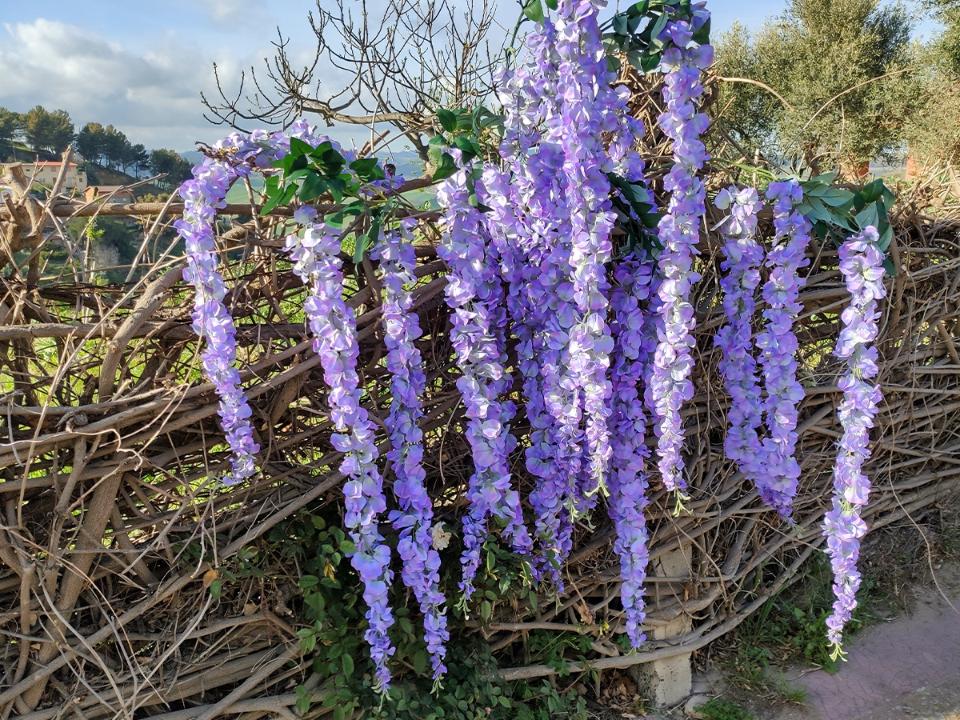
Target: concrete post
point(668, 682)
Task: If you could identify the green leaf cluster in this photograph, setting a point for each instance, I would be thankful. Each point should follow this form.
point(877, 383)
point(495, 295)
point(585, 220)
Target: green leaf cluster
point(635, 32)
point(837, 212)
point(463, 129)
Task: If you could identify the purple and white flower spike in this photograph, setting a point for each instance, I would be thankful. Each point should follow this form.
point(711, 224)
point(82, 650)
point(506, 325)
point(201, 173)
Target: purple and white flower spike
point(317, 263)
point(203, 194)
point(743, 258)
point(587, 110)
point(679, 233)
point(861, 263)
point(420, 568)
point(633, 349)
point(778, 344)
point(475, 294)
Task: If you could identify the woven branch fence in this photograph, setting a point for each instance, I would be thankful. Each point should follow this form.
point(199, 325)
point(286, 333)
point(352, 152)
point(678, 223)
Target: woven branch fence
point(110, 435)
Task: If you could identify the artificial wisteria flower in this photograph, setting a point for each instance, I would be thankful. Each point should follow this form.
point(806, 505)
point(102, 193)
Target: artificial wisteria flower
point(861, 263)
point(743, 258)
point(587, 100)
point(475, 295)
point(203, 194)
point(530, 225)
point(778, 344)
point(679, 233)
point(212, 322)
point(334, 327)
point(420, 569)
point(634, 344)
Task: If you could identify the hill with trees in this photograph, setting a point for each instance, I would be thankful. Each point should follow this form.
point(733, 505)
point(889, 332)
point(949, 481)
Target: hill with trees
point(108, 154)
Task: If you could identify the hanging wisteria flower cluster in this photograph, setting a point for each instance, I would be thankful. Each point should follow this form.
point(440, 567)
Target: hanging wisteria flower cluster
point(475, 294)
point(861, 263)
point(679, 233)
point(317, 263)
point(742, 260)
point(768, 462)
point(420, 569)
point(598, 328)
point(778, 343)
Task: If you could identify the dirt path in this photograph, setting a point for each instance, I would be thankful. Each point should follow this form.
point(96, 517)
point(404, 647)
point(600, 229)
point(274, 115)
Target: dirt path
point(908, 668)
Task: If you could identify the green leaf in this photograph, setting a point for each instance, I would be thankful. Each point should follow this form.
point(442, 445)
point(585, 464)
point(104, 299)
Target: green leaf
point(367, 168)
point(886, 237)
point(337, 186)
point(621, 24)
point(650, 62)
point(533, 10)
point(348, 548)
point(870, 215)
point(889, 267)
point(638, 8)
point(303, 700)
point(486, 610)
point(467, 146)
point(346, 662)
point(308, 581)
point(552, 4)
point(446, 168)
point(313, 187)
point(658, 27)
point(448, 119)
point(299, 147)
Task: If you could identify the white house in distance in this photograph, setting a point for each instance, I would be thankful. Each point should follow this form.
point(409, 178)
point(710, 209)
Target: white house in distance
point(45, 173)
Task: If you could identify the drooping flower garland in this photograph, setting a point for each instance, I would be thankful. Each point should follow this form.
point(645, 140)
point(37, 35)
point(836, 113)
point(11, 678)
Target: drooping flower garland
point(778, 344)
point(317, 263)
point(212, 322)
point(535, 262)
point(203, 194)
point(633, 349)
point(861, 263)
point(420, 569)
point(679, 232)
point(474, 293)
point(586, 94)
point(743, 258)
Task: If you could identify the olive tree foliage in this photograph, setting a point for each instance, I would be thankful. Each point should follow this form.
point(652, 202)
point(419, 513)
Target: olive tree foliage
point(374, 64)
point(947, 46)
point(933, 132)
point(829, 81)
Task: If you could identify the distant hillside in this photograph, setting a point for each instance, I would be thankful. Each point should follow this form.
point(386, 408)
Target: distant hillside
point(97, 175)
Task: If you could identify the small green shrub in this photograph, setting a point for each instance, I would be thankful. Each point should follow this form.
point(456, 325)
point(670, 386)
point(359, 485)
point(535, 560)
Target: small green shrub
point(721, 709)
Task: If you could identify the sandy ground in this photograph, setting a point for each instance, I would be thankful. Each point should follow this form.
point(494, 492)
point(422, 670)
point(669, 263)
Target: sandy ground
point(904, 669)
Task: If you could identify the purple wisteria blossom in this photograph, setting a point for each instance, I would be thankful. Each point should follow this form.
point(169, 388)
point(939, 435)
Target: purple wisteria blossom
point(203, 194)
point(317, 263)
point(679, 233)
point(588, 109)
point(420, 569)
point(634, 344)
point(861, 263)
point(743, 258)
point(778, 344)
point(212, 322)
point(531, 226)
point(475, 294)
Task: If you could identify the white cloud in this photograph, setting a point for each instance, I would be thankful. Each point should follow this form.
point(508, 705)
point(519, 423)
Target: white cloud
point(234, 11)
point(153, 95)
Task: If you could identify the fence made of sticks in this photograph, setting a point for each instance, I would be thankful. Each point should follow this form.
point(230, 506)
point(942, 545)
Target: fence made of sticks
point(111, 448)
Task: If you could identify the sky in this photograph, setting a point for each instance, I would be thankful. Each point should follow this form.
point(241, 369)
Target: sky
point(143, 70)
